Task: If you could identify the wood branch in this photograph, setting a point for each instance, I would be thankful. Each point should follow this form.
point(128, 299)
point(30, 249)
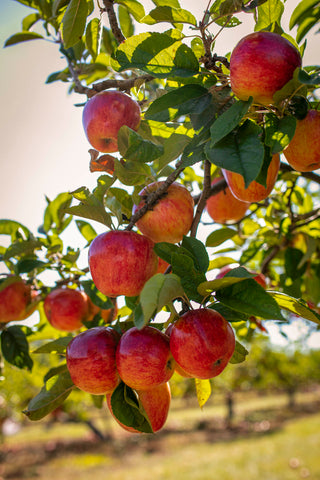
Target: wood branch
point(206, 193)
point(108, 4)
point(309, 175)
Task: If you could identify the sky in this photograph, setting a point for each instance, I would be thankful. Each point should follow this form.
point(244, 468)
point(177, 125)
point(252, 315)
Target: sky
point(43, 147)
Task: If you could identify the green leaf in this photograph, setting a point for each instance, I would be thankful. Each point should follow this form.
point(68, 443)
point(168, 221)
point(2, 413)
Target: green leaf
point(239, 354)
point(74, 22)
point(157, 292)
point(26, 265)
point(55, 346)
point(229, 314)
point(98, 298)
point(23, 247)
point(135, 148)
point(29, 21)
point(278, 132)
point(93, 37)
point(305, 11)
point(86, 230)
point(269, 14)
point(22, 37)
point(219, 236)
point(183, 266)
point(125, 21)
point(292, 263)
point(198, 252)
point(188, 99)
point(241, 151)
point(156, 53)
point(170, 15)
point(51, 396)
point(54, 214)
point(10, 227)
point(15, 347)
point(203, 391)
point(90, 207)
point(173, 147)
point(306, 79)
point(171, 3)
point(297, 307)
point(134, 7)
point(132, 173)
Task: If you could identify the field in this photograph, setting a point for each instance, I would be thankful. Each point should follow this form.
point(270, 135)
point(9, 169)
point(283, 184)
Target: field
point(267, 441)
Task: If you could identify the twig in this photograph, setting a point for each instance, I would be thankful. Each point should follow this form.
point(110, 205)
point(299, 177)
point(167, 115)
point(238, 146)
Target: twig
point(203, 198)
point(108, 4)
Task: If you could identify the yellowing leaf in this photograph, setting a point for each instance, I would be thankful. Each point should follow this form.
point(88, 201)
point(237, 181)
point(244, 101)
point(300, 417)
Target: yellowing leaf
point(203, 389)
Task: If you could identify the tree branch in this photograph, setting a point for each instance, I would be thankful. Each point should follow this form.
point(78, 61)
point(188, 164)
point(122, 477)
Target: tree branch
point(108, 4)
point(206, 192)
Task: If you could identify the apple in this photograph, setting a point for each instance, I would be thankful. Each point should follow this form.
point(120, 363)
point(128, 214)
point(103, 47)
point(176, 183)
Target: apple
point(303, 152)
point(224, 207)
point(261, 64)
point(162, 266)
point(202, 342)
point(156, 404)
point(178, 369)
point(17, 300)
point(91, 360)
point(104, 115)
point(143, 358)
point(255, 191)
point(121, 262)
point(171, 217)
point(259, 277)
point(66, 308)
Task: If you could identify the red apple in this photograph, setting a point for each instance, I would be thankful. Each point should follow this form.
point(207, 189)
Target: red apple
point(170, 218)
point(91, 360)
point(104, 115)
point(162, 265)
point(259, 277)
point(66, 308)
point(303, 152)
point(143, 358)
point(224, 207)
point(121, 262)
point(177, 368)
point(255, 191)
point(156, 404)
point(17, 301)
point(261, 64)
point(202, 342)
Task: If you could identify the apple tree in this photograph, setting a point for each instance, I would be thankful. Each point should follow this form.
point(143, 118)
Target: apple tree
point(206, 194)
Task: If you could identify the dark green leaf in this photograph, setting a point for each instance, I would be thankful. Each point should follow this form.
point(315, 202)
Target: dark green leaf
point(132, 173)
point(278, 132)
point(305, 78)
point(22, 37)
point(135, 148)
point(228, 121)
point(292, 259)
point(183, 266)
point(15, 347)
point(229, 314)
point(74, 22)
point(55, 346)
point(26, 265)
point(198, 252)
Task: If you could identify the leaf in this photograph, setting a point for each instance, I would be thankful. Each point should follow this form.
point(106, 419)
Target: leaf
point(15, 347)
point(29, 21)
point(279, 132)
point(229, 314)
point(269, 13)
point(157, 292)
point(198, 252)
point(228, 121)
point(305, 15)
point(292, 263)
point(241, 151)
point(27, 265)
point(188, 99)
point(86, 230)
point(55, 346)
point(297, 307)
point(90, 207)
point(55, 212)
point(203, 390)
point(135, 148)
point(10, 227)
point(98, 298)
point(93, 37)
point(22, 37)
point(219, 236)
point(51, 396)
point(239, 354)
point(306, 79)
point(73, 22)
point(169, 14)
point(132, 173)
point(125, 21)
point(183, 266)
point(134, 7)
point(171, 3)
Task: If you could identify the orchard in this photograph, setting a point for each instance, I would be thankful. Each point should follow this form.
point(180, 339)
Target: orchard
point(204, 224)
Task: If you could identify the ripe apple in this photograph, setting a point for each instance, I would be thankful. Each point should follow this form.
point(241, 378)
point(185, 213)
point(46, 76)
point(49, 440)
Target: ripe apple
point(121, 262)
point(255, 191)
point(170, 218)
point(259, 277)
point(261, 64)
point(303, 152)
point(143, 358)
point(17, 301)
point(202, 343)
point(162, 265)
point(177, 368)
point(156, 404)
point(104, 115)
point(66, 308)
point(91, 360)
point(224, 207)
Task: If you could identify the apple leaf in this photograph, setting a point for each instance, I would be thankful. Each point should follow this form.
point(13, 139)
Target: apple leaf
point(22, 37)
point(13, 228)
point(56, 346)
point(203, 390)
point(97, 298)
point(309, 79)
point(219, 236)
point(240, 353)
point(73, 22)
point(184, 266)
point(54, 214)
point(135, 148)
point(15, 347)
point(228, 313)
point(278, 132)
point(89, 207)
point(134, 7)
point(269, 14)
point(54, 392)
point(93, 37)
point(170, 15)
point(305, 16)
point(132, 173)
point(197, 251)
point(86, 230)
point(173, 147)
point(125, 21)
point(297, 307)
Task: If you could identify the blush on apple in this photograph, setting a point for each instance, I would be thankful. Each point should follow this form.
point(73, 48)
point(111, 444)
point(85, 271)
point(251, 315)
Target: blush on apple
point(66, 309)
point(143, 358)
point(156, 404)
point(121, 262)
point(177, 368)
point(303, 152)
point(224, 207)
point(261, 64)
point(17, 301)
point(202, 342)
point(170, 218)
point(104, 115)
point(91, 360)
point(255, 191)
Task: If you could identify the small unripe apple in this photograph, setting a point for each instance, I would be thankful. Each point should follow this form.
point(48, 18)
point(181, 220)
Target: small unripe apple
point(224, 207)
point(66, 309)
point(104, 115)
point(171, 218)
point(91, 360)
point(303, 152)
point(202, 342)
point(16, 301)
point(121, 262)
point(261, 64)
point(143, 358)
point(255, 191)
point(156, 404)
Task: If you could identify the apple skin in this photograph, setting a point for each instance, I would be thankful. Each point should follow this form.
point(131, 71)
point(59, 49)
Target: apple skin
point(178, 369)
point(156, 403)
point(162, 266)
point(259, 277)
point(16, 302)
point(121, 262)
point(91, 360)
point(260, 65)
point(170, 218)
point(144, 359)
point(104, 115)
point(224, 207)
point(202, 343)
point(303, 152)
point(66, 309)
point(255, 192)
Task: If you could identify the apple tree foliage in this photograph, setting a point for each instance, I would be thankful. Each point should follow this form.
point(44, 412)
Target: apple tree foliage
point(191, 125)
